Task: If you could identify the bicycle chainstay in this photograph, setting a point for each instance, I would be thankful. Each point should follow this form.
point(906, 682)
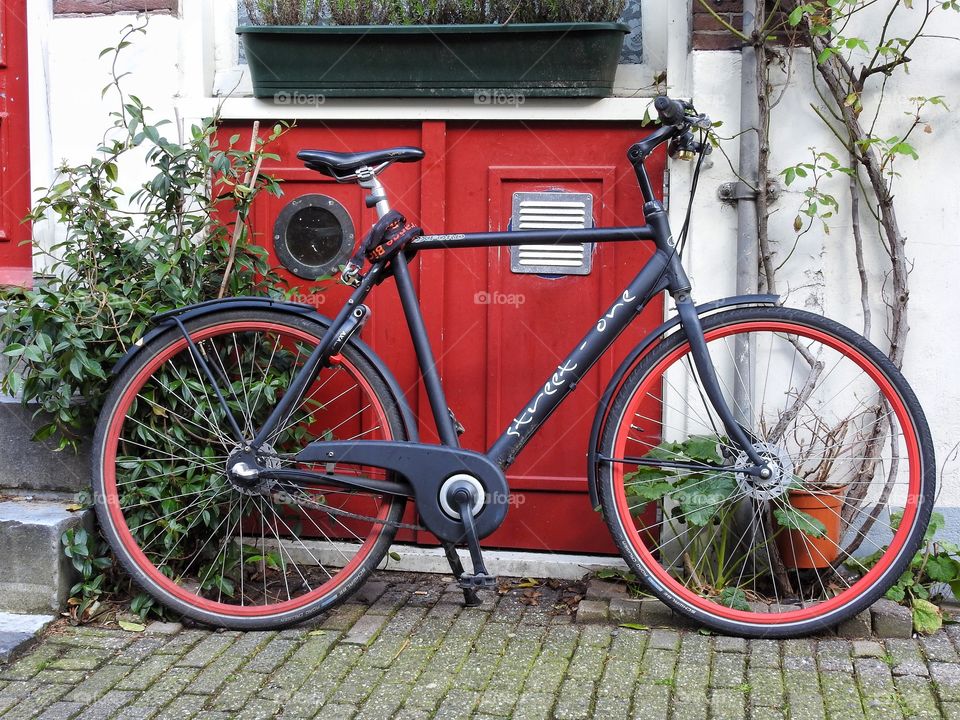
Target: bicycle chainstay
point(346, 513)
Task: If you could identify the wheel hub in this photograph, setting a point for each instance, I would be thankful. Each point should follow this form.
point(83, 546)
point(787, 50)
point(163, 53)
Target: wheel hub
point(779, 475)
point(243, 470)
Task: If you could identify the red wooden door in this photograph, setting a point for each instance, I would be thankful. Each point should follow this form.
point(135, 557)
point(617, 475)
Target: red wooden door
point(492, 356)
point(15, 251)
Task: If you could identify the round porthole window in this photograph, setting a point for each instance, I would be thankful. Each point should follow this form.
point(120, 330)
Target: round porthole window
point(313, 236)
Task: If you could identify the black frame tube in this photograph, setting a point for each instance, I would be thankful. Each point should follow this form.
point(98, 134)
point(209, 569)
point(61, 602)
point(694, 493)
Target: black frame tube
point(663, 271)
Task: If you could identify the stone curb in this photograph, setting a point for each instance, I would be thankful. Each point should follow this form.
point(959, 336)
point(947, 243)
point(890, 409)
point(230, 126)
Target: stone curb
point(609, 602)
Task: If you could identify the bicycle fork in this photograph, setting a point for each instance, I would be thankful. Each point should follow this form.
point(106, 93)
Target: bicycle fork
point(693, 330)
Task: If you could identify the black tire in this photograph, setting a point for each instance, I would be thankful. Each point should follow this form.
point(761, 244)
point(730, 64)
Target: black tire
point(110, 431)
point(667, 571)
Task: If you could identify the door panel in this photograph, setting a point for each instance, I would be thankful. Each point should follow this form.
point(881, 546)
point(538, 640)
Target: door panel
point(493, 355)
point(15, 250)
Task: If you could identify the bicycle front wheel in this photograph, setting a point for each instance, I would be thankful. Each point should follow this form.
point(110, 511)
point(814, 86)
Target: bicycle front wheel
point(241, 556)
point(844, 511)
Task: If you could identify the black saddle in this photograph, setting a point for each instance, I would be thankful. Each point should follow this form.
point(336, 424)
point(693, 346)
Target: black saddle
point(338, 164)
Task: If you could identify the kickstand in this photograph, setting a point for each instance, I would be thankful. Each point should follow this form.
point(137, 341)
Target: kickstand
point(470, 597)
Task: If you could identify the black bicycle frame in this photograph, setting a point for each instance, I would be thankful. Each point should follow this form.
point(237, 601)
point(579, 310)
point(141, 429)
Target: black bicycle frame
point(663, 271)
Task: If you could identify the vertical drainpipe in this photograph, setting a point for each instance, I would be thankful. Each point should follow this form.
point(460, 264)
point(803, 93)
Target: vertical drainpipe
point(748, 269)
point(748, 272)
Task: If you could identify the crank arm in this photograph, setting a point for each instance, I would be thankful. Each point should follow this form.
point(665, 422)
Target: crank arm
point(305, 477)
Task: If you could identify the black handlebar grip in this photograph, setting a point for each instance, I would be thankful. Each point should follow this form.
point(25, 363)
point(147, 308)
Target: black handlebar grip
point(671, 112)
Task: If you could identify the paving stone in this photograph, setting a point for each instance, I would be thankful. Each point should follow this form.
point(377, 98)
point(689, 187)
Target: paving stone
point(651, 702)
point(891, 620)
point(859, 626)
point(725, 643)
point(917, 698)
point(625, 610)
point(766, 687)
point(868, 649)
point(728, 670)
point(938, 648)
point(204, 652)
point(575, 701)
point(344, 616)
point(99, 683)
point(728, 704)
point(655, 613)
point(593, 611)
point(598, 589)
point(534, 706)
point(146, 672)
point(458, 704)
point(947, 679)
point(764, 653)
point(164, 628)
point(906, 657)
point(767, 713)
point(841, 695)
point(61, 711)
point(834, 654)
point(877, 688)
point(267, 658)
point(664, 640)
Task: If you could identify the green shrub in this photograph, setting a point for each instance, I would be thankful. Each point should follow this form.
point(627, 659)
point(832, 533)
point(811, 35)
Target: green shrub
point(120, 259)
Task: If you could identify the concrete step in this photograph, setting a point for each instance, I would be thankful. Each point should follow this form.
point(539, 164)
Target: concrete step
point(30, 466)
point(17, 630)
point(35, 575)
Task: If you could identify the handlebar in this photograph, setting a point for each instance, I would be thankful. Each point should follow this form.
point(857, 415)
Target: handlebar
point(671, 112)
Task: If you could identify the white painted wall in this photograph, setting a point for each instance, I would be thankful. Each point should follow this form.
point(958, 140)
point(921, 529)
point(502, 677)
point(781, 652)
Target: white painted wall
point(182, 62)
point(822, 275)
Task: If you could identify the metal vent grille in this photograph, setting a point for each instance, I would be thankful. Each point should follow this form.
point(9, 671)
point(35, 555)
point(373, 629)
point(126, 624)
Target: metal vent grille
point(552, 211)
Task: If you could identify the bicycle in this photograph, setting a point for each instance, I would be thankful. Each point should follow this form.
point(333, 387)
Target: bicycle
point(764, 470)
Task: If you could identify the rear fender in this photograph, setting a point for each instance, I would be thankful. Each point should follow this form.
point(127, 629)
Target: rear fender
point(165, 321)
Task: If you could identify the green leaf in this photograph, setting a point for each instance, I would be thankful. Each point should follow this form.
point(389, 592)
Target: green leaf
point(131, 626)
point(634, 626)
point(943, 569)
point(705, 497)
point(792, 519)
point(734, 597)
point(927, 618)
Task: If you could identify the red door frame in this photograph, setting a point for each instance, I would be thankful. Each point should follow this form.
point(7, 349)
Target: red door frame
point(16, 256)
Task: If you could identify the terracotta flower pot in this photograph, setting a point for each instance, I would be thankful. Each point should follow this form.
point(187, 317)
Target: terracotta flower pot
point(802, 551)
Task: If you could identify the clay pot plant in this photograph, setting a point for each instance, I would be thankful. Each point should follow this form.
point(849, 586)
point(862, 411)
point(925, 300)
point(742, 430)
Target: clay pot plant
point(484, 49)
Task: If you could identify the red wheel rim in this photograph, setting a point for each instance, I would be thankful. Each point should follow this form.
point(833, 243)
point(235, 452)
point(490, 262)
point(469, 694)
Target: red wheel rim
point(824, 607)
point(119, 522)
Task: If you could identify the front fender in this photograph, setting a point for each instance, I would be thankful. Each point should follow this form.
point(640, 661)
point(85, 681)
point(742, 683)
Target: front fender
point(631, 361)
point(164, 321)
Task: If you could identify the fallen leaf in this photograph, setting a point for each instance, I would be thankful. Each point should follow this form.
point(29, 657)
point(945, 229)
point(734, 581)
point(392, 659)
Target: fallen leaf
point(131, 626)
point(634, 626)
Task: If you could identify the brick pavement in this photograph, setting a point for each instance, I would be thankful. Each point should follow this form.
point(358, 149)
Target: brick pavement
point(404, 648)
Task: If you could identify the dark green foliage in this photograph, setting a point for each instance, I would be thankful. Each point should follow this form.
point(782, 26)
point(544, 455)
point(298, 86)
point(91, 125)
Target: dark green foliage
point(934, 570)
point(430, 12)
point(283, 12)
point(121, 257)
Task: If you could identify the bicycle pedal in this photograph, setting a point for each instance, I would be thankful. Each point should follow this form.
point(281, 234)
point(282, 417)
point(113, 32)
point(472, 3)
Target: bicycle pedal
point(480, 580)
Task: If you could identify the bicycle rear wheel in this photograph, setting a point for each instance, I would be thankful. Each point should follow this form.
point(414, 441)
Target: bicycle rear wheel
point(218, 552)
point(853, 474)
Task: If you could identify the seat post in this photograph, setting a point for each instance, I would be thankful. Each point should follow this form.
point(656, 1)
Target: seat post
point(367, 179)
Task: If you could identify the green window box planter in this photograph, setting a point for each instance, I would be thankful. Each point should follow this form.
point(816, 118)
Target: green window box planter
point(533, 60)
